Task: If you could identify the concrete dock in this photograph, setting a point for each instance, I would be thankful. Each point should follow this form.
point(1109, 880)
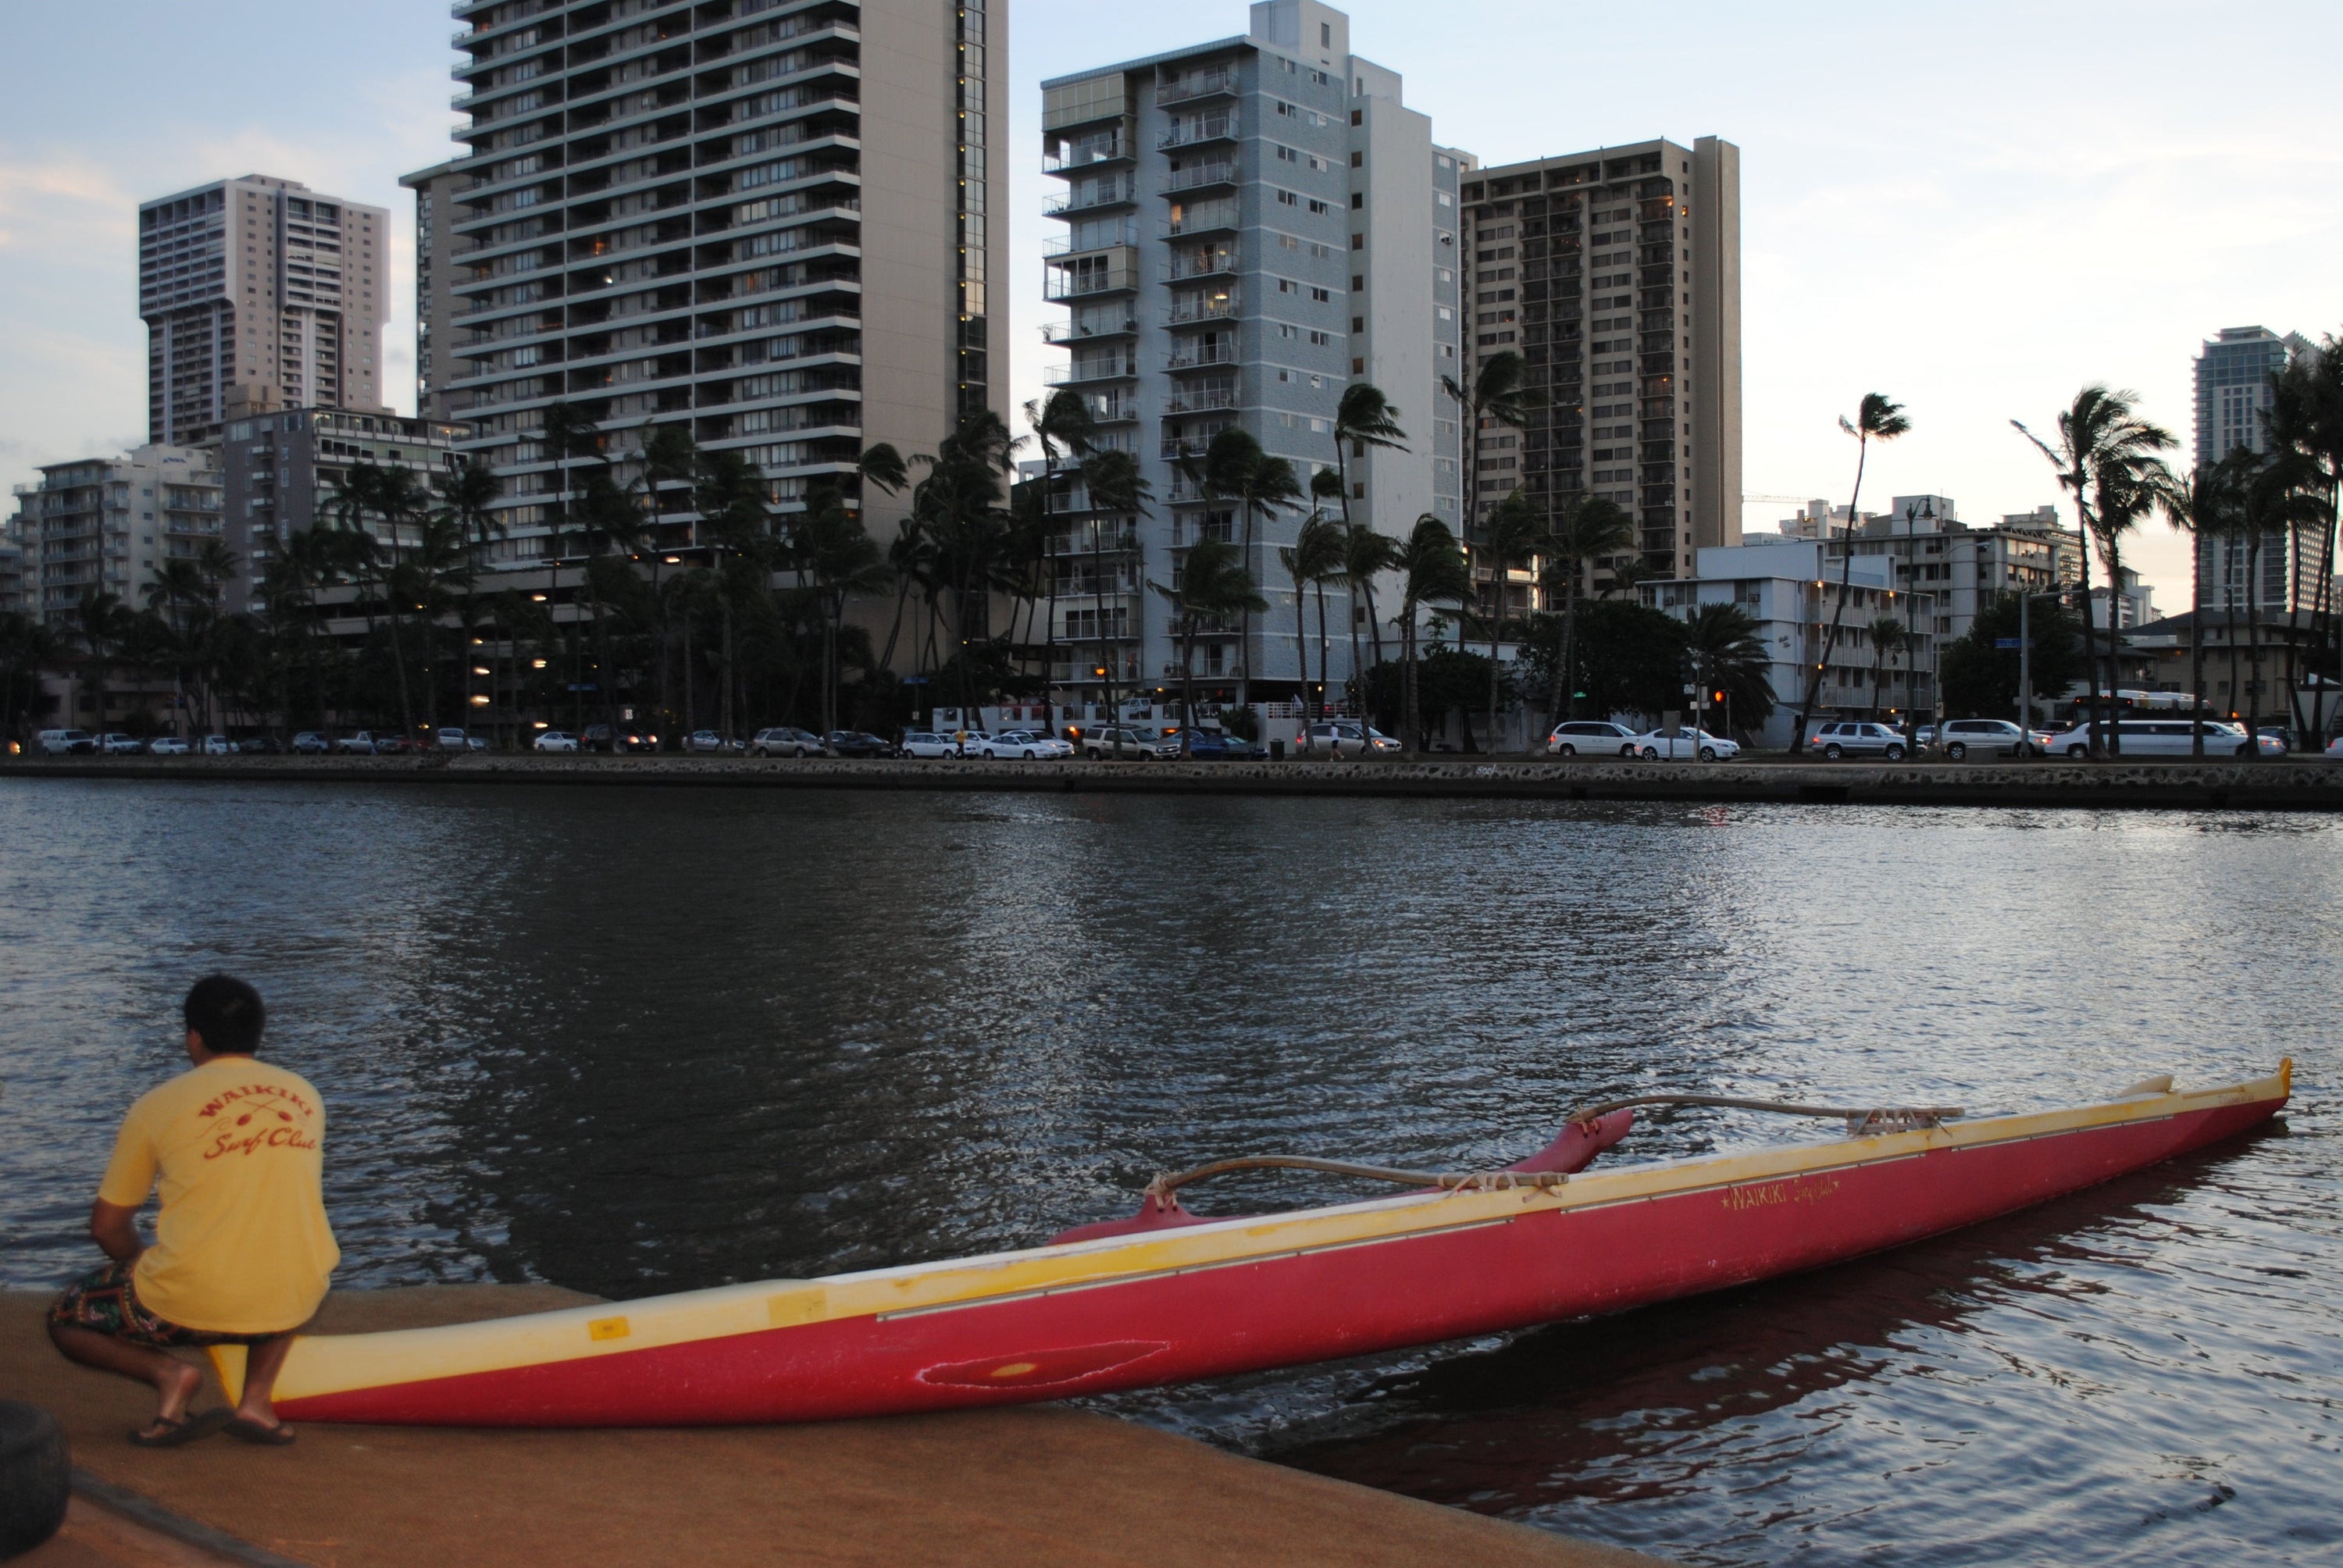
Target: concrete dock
point(1037, 1484)
point(2294, 784)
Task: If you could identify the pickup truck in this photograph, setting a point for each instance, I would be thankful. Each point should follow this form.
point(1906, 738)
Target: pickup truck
point(363, 743)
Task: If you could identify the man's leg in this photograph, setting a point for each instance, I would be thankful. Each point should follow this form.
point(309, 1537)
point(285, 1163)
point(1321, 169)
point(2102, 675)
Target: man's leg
point(174, 1380)
point(262, 1362)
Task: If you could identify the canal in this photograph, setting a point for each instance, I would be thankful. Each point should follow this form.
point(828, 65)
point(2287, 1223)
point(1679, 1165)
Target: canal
point(633, 1040)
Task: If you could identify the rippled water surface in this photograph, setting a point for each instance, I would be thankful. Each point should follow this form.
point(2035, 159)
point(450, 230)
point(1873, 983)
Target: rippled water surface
point(642, 1040)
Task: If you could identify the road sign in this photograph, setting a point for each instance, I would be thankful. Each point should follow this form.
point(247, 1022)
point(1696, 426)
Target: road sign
point(2009, 642)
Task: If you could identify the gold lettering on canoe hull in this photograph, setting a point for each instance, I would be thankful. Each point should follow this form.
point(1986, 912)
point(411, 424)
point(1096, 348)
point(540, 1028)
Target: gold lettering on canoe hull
point(1776, 1194)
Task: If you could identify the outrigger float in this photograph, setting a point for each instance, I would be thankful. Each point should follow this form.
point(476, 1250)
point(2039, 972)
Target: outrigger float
point(1170, 1296)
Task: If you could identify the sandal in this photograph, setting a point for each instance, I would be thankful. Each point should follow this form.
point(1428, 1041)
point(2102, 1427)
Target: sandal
point(246, 1431)
point(178, 1431)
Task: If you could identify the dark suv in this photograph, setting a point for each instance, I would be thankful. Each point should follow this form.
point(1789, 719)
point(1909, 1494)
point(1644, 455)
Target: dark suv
point(624, 738)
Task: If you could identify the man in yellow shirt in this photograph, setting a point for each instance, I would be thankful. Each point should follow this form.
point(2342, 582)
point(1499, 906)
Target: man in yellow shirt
point(242, 1251)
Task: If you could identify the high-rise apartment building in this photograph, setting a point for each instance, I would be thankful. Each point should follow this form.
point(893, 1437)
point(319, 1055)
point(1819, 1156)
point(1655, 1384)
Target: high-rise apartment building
point(259, 292)
point(2280, 573)
point(1615, 274)
point(767, 219)
point(1252, 224)
point(436, 190)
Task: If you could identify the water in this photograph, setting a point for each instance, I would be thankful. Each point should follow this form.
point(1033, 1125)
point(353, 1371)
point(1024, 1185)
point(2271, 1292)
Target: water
point(635, 1040)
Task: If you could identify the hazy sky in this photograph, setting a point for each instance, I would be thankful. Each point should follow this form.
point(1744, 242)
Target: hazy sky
point(1973, 208)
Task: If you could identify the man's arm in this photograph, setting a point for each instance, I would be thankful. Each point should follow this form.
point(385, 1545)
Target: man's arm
point(115, 1230)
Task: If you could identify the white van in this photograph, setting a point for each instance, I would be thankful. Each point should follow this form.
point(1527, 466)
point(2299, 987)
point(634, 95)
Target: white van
point(65, 742)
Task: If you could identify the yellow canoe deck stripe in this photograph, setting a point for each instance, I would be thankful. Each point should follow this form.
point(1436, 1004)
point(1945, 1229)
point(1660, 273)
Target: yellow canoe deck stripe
point(337, 1363)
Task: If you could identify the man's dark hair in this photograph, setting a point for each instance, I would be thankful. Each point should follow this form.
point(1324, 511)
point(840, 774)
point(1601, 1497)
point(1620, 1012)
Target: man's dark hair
point(227, 1013)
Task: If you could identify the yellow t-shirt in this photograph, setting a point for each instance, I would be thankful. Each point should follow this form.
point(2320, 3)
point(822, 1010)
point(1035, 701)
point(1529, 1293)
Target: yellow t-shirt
point(242, 1246)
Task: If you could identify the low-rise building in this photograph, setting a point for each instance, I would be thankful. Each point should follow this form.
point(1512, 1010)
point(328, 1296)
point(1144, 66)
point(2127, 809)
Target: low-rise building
point(282, 473)
point(1790, 591)
point(111, 523)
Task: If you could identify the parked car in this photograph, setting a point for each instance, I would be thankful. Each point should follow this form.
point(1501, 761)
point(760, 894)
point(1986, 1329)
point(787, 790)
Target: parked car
point(215, 746)
point(260, 745)
point(1987, 737)
point(362, 743)
point(927, 743)
point(1594, 737)
point(309, 743)
point(785, 741)
point(1026, 745)
point(855, 743)
point(453, 739)
point(112, 744)
point(2168, 738)
point(66, 742)
point(969, 741)
point(1657, 746)
point(1220, 745)
point(166, 746)
point(1128, 741)
point(607, 738)
point(555, 741)
point(707, 742)
point(1858, 737)
point(1343, 738)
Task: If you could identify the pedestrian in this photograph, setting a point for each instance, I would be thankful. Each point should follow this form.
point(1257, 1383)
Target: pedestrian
point(242, 1252)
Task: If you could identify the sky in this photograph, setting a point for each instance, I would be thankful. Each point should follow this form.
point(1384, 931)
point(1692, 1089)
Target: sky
point(1976, 209)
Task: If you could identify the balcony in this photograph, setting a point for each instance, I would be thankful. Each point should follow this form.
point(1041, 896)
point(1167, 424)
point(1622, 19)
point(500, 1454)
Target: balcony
point(1203, 177)
point(1202, 218)
point(1123, 368)
point(1202, 312)
point(1064, 157)
point(1201, 356)
point(1196, 132)
point(1218, 83)
point(1203, 397)
point(1104, 271)
point(1203, 261)
point(1060, 333)
point(1117, 191)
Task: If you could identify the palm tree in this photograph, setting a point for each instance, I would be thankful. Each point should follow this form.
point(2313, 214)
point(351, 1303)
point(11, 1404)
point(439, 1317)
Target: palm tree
point(843, 560)
point(402, 503)
point(2306, 416)
point(1363, 418)
point(1879, 418)
point(2099, 431)
point(1730, 655)
point(1367, 554)
point(1115, 485)
point(1235, 469)
point(25, 646)
point(2282, 493)
point(1213, 586)
point(1888, 639)
point(1064, 422)
point(731, 499)
point(1586, 529)
point(569, 433)
point(2203, 507)
point(1433, 571)
point(1500, 395)
point(97, 622)
point(2125, 493)
point(1509, 538)
point(1316, 555)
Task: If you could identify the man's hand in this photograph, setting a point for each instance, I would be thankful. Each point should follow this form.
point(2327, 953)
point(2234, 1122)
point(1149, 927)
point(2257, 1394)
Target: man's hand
point(114, 1229)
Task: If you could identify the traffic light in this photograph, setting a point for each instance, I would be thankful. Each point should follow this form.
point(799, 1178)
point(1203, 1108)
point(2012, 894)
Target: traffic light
point(1716, 699)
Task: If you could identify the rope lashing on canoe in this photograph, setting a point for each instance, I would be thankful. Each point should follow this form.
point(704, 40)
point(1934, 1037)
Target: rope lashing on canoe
point(1163, 1186)
point(1859, 1123)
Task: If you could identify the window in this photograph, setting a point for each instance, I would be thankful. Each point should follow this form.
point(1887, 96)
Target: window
point(1358, 200)
point(1287, 286)
point(1444, 199)
point(1358, 160)
point(1358, 242)
point(1287, 198)
point(1321, 295)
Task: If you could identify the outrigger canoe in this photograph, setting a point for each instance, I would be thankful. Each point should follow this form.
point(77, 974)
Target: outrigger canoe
point(1170, 1296)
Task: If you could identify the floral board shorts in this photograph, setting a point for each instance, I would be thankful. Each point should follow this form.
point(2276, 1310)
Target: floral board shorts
point(107, 1303)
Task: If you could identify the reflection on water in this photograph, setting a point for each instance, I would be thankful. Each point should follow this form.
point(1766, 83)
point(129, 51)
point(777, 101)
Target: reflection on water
point(634, 1041)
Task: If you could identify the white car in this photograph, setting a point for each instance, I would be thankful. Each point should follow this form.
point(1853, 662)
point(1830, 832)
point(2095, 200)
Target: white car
point(927, 743)
point(113, 744)
point(1342, 738)
point(2335, 749)
point(709, 741)
point(1025, 745)
point(166, 746)
point(1957, 738)
point(215, 746)
point(1657, 747)
point(2167, 738)
point(1594, 737)
point(556, 740)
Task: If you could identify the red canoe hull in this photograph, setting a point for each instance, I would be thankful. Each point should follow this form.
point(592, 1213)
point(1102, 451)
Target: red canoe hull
point(1293, 1308)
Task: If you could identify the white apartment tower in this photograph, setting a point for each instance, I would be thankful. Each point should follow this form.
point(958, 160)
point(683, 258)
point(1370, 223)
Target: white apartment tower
point(769, 221)
point(2278, 573)
point(1252, 224)
point(259, 292)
